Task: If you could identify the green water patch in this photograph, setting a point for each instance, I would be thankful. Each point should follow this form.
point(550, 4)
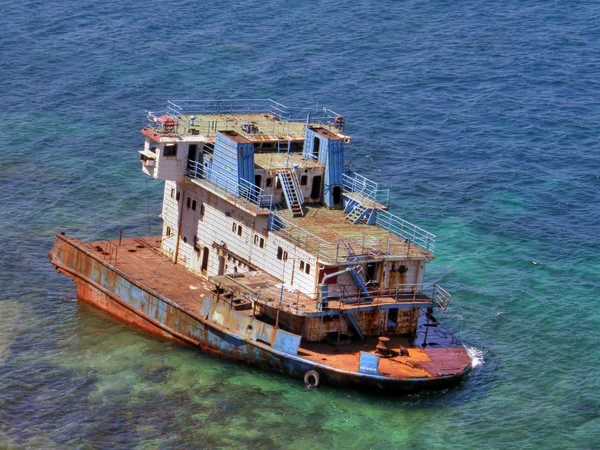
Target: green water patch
point(16, 318)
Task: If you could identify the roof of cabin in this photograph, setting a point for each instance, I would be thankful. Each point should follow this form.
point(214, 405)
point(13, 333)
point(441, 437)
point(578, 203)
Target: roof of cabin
point(331, 225)
point(256, 127)
point(273, 161)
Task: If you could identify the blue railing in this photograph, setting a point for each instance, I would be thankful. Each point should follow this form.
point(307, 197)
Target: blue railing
point(406, 230)
point(251, 106)
point(241, 192)
point(355, 183)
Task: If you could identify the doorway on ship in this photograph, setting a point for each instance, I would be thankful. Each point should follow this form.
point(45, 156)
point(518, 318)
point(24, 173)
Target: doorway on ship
point(337, 195)
point(316, 147)
point(205, 254)
point(192, 154)
point(371, 274)
point(315, 192)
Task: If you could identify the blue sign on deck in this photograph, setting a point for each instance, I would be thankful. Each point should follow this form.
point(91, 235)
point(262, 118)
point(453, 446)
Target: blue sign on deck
point(369, 363)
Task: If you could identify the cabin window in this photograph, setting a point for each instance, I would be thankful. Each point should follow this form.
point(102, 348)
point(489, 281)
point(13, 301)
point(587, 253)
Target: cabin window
point(189, 202)
point(279, 253)
point(240, 230)
point(185, 240)
point(256, 239)
point(168, 232)
point(307, 268)
point(170, 150)
point(234, 227)
point(261, 244)
point(285, 255)
point(269, 182)
point(302, 266)
point(172, 193)
point(178, 196)
point(194, 205)
point(303, 180)
point(202, 210)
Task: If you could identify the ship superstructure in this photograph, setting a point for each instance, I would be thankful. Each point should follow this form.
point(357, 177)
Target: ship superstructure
point(298, 254)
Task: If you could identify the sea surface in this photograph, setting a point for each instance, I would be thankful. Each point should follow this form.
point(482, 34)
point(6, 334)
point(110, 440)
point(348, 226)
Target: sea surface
point(482, 117)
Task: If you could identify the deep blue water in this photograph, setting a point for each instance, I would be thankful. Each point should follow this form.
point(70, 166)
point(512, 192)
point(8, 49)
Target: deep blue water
point(482, 117)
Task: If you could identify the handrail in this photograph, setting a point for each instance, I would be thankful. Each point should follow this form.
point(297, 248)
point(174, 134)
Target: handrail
point(423, 294)
point(342, 250)
point(244, 190)
point(406, 230)
point(318, 115)
point(287, 187)
point(355, 183)
point(297, 187)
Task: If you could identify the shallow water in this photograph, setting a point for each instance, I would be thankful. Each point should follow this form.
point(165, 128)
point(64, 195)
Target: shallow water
point(481, 117)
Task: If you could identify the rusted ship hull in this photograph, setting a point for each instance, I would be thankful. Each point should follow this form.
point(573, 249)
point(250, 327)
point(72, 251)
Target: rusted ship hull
point(213, 327)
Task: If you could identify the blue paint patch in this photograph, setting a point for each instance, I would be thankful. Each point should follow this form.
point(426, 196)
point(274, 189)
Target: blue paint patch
point(286, 342)
point(226, 342)
point(369, 363)
point(162, 312)
point(263, 332)
point(207, 306)
point(137, 297)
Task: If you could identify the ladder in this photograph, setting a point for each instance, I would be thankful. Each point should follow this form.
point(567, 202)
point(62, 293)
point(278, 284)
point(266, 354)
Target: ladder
point(352, 318)
point(362, 286)
point(292, 192)
point(357, 213)
point(356, 270)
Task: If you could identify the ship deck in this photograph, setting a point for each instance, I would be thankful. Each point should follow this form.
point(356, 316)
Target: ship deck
point(256, 127)
point(331, 225)
point(141, 261)
point(275, 161)
point(443, 355)
point(138, 260)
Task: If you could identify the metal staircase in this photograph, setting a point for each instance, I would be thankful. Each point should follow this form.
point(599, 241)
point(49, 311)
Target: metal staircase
point(355, 273)
point(292, 192)
point(352, 318)
point(362, 213)
point(357, 213)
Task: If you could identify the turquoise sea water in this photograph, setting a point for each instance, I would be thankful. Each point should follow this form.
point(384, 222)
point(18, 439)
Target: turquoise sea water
point(482, 117)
